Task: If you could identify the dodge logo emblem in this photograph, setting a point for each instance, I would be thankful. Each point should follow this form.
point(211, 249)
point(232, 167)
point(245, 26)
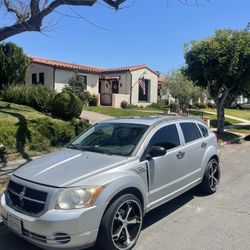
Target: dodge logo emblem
point(21, 196)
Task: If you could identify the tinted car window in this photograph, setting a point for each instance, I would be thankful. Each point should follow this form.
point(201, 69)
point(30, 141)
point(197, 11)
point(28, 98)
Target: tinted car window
point(112, 138)
point(204, 130)
point(166, 137)
point(190, 131)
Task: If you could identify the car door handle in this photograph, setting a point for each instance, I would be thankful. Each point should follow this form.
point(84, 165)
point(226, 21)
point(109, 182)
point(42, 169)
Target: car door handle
point(203, 144)
point(180, 155)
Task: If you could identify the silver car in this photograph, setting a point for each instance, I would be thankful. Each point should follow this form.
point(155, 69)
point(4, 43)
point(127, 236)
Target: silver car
point(98, 189)
point(245, 105)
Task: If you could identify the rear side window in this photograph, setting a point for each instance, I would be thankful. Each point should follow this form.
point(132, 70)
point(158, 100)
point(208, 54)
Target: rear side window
point(204, 130)
point(166, 137)
point(190, 131)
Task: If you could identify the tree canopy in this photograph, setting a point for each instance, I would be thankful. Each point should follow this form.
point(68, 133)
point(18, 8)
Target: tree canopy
point(13, 66)
point(220, 64)
point(181, 88)
point(30, 14)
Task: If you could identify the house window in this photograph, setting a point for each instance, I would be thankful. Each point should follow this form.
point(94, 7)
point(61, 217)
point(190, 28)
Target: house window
point(144, 93)
point(83, 81)
point(41, 78)
point(34, 80)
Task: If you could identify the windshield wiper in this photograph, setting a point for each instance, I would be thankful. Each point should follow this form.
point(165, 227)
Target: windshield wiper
point(75, 146)
point(96, 149)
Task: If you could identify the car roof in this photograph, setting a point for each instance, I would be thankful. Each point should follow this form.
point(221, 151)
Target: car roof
point(150, 120)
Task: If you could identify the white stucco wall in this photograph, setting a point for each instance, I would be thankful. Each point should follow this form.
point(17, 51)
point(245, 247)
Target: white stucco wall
point(35, 68)
point(62, 77)
point(124, 83)
point(118, 98)
point(135, 86)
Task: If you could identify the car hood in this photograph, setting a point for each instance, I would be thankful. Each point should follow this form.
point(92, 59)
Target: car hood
point(63, 168)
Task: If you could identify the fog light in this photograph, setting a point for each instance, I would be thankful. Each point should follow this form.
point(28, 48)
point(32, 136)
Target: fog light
point(62, 238)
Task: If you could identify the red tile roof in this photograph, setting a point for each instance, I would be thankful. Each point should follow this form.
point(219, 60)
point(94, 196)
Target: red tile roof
point(64, 65)
point(85, 68)
point(129, 68)
point(161, 80)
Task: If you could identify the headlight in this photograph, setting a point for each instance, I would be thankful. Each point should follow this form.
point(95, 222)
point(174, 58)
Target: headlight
point(73, 198)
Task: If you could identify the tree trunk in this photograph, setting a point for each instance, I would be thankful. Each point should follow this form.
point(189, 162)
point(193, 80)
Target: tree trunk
point(220, 118)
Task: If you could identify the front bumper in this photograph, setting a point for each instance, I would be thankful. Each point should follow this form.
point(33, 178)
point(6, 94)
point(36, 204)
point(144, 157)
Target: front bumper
point(80, 226)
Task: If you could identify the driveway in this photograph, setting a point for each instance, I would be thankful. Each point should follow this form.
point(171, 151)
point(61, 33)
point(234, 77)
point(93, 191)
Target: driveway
point(94, 117)
point(193, 221)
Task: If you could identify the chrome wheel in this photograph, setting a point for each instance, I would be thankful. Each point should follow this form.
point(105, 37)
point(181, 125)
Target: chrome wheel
point(213, 175)
point(126, 225)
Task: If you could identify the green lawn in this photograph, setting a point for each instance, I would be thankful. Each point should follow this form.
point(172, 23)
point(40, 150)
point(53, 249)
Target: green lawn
point(25, 132)
point(144, 112)
point(244, 114)
point(213, 118)
point(118, 112)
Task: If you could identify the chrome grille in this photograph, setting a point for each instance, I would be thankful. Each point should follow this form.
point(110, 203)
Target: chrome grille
point(23, 198)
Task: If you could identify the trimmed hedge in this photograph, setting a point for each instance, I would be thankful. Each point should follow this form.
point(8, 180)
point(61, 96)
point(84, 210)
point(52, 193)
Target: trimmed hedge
point(37, 96)
point(66, 106)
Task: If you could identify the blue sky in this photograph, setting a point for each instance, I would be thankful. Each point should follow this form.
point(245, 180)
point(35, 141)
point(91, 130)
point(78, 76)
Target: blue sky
point(150, 32)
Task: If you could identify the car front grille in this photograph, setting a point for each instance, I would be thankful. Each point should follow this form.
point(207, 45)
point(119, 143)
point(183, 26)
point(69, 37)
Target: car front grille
point(26, 199)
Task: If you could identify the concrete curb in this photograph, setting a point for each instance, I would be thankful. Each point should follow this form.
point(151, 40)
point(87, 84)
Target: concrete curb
point(234, 141)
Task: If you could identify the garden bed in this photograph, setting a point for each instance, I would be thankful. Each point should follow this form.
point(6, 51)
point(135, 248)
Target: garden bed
point(25, 132)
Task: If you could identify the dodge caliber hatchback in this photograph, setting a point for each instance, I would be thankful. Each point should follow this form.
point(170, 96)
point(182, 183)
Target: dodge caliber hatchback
point(98, 188)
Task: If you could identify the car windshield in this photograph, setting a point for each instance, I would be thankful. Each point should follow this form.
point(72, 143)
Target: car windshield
point(110, 138)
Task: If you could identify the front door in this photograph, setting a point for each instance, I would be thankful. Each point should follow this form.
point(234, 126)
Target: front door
point(115, 87)
point(105, 91)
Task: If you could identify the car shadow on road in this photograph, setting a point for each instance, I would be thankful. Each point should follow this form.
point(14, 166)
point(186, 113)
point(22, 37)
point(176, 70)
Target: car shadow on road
point(12, 242)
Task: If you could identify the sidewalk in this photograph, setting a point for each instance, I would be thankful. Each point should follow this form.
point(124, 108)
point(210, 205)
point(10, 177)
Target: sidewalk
point(243, 121)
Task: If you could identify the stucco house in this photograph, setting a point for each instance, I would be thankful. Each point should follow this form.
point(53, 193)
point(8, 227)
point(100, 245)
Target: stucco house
point(138, 85)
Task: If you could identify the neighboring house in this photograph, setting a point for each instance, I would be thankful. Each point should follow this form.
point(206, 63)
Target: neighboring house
point(138, 85)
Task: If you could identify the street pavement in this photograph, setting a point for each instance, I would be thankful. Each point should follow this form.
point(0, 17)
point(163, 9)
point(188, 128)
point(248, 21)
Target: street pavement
point(193, 221)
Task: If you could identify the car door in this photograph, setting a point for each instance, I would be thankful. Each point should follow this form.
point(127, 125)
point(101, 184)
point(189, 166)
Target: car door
point(164, 171)
point(194, 148)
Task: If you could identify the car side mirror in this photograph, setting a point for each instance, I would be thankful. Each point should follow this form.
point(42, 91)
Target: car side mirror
point(155, 151)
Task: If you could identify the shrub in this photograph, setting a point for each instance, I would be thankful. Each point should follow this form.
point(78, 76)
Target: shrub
point(159, 105)
point(13, 66)
point(132, 106)
point(66, 106)
point(77, 85)
point(211, 105)
point(173, 107)
point(124, 104)
point(191, 106)
point(37, 96)
point(79, 125)
point(200, 105)
point(85, 97)
point(93, 101)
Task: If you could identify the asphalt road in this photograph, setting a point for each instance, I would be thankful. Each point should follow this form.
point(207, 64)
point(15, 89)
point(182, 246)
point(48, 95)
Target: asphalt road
point(193, 221)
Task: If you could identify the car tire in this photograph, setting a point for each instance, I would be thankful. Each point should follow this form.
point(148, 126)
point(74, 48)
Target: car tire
point(238, 107)
point(211, 178)
point(121, 224)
